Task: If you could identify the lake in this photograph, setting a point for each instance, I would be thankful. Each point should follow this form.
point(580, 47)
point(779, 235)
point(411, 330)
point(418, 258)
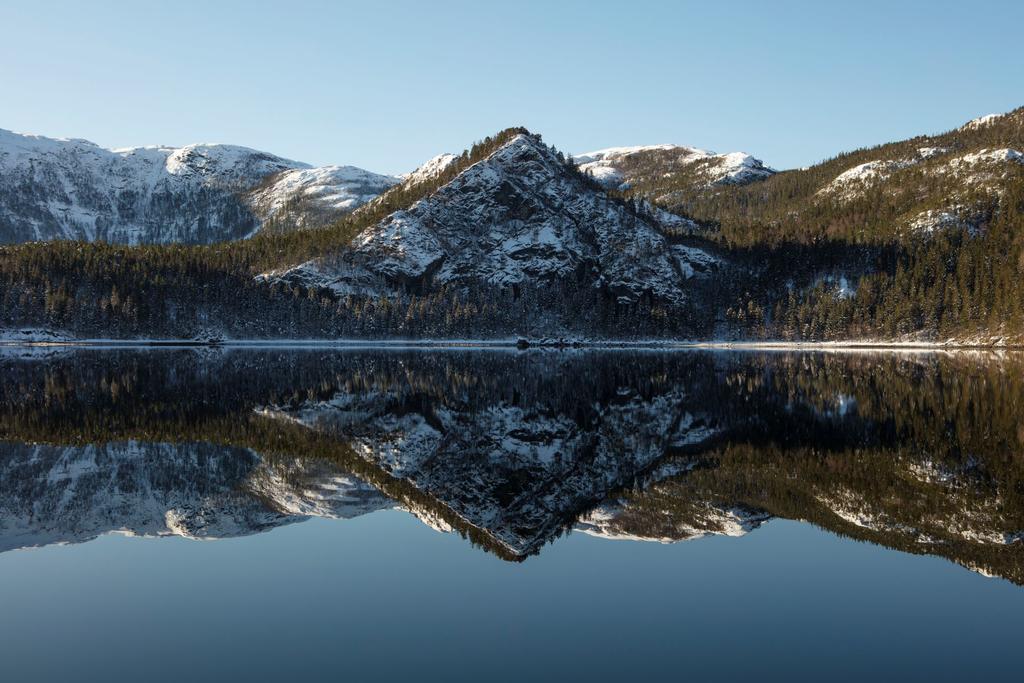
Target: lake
point(365, 514)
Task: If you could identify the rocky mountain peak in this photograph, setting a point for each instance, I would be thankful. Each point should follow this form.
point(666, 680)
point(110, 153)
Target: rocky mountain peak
point(522, 214)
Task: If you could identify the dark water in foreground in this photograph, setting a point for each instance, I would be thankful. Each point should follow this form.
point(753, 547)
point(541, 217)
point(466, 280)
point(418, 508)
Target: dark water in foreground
point(499, 515)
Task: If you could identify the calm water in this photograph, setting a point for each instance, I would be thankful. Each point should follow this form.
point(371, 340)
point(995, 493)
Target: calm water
point(498, 515)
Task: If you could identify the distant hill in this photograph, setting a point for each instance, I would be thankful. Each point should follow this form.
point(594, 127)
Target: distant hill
point(199, 194)
point(658, 171)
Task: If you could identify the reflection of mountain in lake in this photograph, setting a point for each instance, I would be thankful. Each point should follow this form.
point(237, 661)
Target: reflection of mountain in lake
point(919, 453)
point(516, 470)
point(69, 494)
point(909, 504)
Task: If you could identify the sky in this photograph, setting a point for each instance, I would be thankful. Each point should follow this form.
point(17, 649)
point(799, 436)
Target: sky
point(387, 85)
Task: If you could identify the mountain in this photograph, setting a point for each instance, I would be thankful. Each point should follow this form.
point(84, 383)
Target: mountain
point(520, 216)
point(917, 240)
point(204, 193)
point(920, 240)
point(658, 168)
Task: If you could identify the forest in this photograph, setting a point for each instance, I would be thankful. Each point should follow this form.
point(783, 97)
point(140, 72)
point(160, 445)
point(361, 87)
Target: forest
point(960, 277)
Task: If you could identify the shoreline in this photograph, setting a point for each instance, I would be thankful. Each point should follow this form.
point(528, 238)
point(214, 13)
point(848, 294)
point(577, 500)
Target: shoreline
point(517, 343)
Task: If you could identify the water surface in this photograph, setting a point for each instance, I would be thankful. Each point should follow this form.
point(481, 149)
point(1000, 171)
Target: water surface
point(448, 515)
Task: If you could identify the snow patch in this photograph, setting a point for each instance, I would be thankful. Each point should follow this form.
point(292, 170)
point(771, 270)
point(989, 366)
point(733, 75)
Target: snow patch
point(849, 181)
point(988, 156)
point(981, 121)
point(932, 221)
point(610, 521)
point(431, 169)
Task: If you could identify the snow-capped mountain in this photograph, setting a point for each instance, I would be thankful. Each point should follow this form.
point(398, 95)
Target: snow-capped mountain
point(520, 215)
point(621, 167)
point(202, 193)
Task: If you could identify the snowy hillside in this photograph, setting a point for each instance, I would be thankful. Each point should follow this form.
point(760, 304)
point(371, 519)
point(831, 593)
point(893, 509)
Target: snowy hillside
point(307, 197)
point(620, 167)
point(972, 168)
point(74, 189)
point(614, 520)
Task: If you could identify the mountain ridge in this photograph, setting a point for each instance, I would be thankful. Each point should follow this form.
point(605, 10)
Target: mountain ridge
point(61, 188)
point(918, 240)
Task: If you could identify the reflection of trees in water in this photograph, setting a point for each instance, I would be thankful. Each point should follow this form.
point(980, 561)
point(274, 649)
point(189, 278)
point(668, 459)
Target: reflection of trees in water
point(917, 452)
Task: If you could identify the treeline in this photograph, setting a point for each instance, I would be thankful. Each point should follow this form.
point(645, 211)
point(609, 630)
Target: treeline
point(130, 298)
point(951, 284)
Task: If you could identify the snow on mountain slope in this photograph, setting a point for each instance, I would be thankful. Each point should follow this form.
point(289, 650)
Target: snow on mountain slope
point(970, 167)
point(53, 494)
point(850, 181)
point(619, 167)
point(955, 218)
point(601, 164)
point(307, 196)
point(519, 215)
point(74, 189)
point(987, 156)
point(981, 122)
point(430, 169)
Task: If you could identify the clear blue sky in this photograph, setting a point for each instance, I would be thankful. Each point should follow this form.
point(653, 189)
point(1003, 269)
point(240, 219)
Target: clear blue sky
point(385, 85)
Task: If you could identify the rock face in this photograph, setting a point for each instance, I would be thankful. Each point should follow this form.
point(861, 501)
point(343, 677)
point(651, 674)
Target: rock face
point(75, 493)
point(74, 189)
point(520, 215)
